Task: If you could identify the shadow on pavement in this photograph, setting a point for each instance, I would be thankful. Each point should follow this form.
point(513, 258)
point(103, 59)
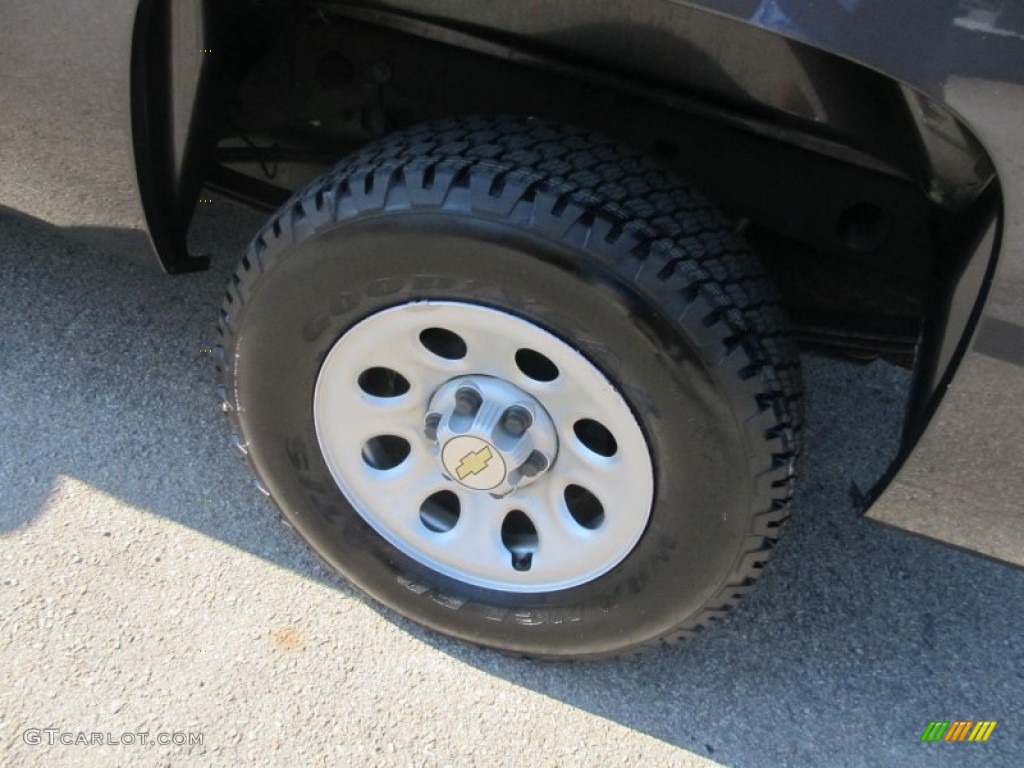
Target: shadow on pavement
point(108, 378)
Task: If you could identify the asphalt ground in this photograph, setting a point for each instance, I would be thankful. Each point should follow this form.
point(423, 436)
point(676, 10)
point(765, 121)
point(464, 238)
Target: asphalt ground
point(147, 587)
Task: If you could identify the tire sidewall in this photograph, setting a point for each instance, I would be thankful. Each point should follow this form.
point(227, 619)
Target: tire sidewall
point(349, 270)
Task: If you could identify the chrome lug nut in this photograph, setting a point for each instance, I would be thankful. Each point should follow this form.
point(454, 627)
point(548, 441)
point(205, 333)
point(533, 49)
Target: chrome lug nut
point(516, 420)
point(534, 465)
point(430, 424)
point(467, 401)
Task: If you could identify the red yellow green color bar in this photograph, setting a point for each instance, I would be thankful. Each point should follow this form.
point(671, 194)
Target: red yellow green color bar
point(959, 730)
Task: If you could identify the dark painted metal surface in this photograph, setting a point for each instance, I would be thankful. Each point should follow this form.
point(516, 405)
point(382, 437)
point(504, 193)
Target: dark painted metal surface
point(170, 70)
point(67, 67)
point(673, 45)
point(969, 55)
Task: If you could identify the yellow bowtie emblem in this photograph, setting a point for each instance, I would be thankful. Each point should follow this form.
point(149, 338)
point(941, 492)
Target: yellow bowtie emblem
point(474, 462)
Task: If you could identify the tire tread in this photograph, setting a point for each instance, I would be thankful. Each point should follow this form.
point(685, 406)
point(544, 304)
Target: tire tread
point(647, 224)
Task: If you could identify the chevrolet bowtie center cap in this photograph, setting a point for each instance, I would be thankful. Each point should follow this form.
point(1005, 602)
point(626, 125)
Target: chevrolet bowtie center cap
point(473, 462)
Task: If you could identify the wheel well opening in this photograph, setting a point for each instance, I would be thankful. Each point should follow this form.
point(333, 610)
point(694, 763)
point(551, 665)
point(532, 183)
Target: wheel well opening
point(865, 200)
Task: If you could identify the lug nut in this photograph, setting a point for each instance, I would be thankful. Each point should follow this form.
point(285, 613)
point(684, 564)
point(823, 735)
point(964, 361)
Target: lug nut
point(516, 420)
point(430, 425)
point(535, 463)
point(467, 401)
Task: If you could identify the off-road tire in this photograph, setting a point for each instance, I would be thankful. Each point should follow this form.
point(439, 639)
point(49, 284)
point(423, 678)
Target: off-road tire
point(595, 243)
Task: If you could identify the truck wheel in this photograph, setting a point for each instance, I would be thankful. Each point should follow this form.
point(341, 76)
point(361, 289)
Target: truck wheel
point(518, 383)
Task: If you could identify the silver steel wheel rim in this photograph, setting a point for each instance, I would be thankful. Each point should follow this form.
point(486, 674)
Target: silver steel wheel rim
point(376, 438)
